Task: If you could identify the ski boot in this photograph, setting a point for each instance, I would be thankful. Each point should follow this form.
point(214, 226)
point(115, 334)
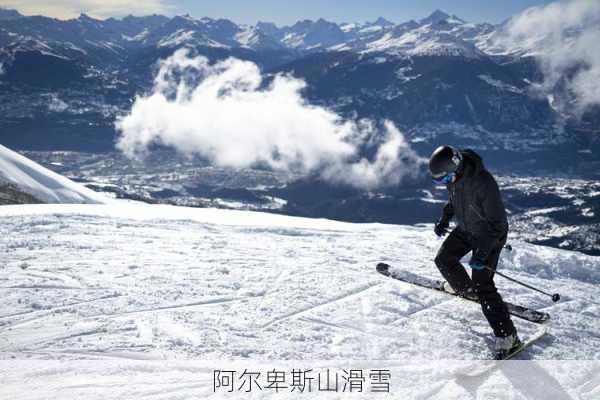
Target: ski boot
point(505, 346)
point(467, 294)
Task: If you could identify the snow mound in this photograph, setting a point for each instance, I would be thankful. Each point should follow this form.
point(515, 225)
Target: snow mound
point(41, 183)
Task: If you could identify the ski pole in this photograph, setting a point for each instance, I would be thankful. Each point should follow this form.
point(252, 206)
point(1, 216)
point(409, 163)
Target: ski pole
point(555, 297)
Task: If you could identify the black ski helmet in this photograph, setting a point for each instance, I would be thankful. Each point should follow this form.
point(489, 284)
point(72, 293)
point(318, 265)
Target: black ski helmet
point(443, 161)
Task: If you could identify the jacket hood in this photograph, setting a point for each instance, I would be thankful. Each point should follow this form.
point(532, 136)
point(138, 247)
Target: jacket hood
point(472, 160)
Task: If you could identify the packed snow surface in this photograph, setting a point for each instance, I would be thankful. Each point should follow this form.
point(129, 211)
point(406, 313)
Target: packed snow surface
point(158, 296)
point(41, 183)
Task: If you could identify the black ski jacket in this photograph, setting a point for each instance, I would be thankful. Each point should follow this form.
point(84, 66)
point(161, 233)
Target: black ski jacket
point(476, 205)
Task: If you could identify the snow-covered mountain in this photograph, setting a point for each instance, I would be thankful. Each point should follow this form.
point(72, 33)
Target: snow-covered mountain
point(437, 34)
point(427, 40)
point(438, 77)
point(113, 38)
point(24, 181)
point(111, 41)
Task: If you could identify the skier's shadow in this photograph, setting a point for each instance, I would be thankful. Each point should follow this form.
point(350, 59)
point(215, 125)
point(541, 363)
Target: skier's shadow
point(527, 377)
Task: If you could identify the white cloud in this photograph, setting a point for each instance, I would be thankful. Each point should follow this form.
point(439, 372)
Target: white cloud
point(225, 113)
point(565, 38)
point(65, 9)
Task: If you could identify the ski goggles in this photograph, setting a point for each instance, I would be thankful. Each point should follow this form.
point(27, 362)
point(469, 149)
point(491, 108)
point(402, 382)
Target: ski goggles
point(445, 179)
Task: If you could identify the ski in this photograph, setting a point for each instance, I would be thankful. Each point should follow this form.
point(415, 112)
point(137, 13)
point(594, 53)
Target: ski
point(408, 277)
point(489, 367)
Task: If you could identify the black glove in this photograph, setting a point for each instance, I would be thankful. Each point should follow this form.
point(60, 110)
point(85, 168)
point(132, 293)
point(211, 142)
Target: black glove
point(440, 227)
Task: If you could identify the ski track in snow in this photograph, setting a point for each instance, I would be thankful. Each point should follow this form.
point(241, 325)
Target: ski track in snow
point(136, 283)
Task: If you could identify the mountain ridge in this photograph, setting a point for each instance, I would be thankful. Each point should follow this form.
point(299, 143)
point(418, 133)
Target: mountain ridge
point(306, 35)
point(439, 78)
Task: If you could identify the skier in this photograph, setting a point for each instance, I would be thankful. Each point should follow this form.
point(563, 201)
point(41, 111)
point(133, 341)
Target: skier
point(481, 227)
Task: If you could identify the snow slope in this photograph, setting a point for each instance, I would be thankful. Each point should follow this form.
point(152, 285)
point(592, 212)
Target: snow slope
point(424, 41)
point(144, 301)
point(41, 183)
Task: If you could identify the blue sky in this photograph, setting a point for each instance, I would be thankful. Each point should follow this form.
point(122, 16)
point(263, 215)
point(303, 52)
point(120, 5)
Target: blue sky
point(286, 12)
point(282, 12)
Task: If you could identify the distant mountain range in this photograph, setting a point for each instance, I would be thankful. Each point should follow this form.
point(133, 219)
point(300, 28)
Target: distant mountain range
point(111, 40)
point(63, 82)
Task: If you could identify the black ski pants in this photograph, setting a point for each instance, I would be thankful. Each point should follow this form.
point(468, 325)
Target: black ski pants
point(454, 248)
